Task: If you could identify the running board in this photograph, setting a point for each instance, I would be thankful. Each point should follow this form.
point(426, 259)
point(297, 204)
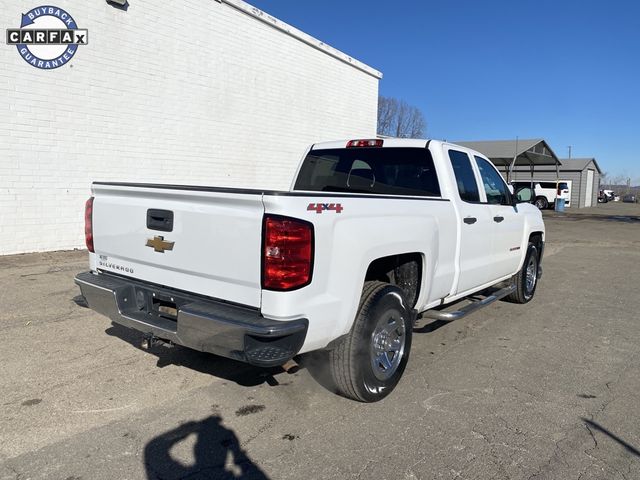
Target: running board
point(472, 307)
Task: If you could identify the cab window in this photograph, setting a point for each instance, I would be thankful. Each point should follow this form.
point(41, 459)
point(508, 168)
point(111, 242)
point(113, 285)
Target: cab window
point(494, 186)
point(388, 170)
point(465, 178)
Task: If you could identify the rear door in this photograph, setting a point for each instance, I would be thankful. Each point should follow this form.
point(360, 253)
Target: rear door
point(508, 222)
point(198, 240)
point(476, 225)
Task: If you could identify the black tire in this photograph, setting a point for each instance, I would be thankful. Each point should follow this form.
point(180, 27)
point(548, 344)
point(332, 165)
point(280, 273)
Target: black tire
point(541, 203)
point(353, 362)
point(525, 290)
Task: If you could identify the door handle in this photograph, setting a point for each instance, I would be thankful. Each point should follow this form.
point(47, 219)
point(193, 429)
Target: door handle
point(470, 220)
point(498, 219)
point(161, 220)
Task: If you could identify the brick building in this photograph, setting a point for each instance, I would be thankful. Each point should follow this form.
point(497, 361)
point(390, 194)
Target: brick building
point(212, 92)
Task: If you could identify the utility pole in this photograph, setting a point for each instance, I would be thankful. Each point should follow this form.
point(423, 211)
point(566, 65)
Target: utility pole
point(510, 172)
point(569, 147)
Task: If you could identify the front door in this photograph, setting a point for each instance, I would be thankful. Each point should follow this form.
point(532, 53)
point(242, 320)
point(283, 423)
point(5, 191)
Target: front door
point(508, 222)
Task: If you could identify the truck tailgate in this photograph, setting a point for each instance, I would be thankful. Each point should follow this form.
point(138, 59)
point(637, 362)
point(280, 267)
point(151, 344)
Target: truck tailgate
point(216, 238)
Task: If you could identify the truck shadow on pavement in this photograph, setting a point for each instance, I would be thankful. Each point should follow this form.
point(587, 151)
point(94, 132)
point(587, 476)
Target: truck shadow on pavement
point(243, 374)
point(430, 326)
point(217, 454)
point(238, 372)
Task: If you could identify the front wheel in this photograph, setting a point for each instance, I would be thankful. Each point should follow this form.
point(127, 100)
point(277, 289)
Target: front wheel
point(367, 364)
point(526, 280)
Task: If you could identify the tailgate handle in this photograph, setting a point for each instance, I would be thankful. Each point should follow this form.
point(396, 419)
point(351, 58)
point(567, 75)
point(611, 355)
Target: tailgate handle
point(161, 220)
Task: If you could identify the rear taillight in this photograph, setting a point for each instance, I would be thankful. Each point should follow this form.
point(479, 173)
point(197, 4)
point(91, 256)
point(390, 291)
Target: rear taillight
point(287, 253)
point(376, 142)
point(88, 224)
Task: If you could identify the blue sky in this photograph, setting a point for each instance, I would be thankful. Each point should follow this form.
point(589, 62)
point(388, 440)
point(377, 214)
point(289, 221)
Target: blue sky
point(566, 71)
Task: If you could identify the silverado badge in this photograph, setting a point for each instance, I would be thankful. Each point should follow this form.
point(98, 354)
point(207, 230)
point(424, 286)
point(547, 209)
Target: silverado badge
point(159, 244)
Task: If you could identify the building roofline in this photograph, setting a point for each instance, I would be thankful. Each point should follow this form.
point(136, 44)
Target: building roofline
point(507, 150)
point(587, 159)
point(272, 21)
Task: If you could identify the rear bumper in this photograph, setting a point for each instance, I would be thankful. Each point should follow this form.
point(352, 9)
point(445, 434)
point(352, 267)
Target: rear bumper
point(232, 331)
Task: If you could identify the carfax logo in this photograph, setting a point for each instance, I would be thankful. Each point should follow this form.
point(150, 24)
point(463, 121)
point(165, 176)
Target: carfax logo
point(48, 37)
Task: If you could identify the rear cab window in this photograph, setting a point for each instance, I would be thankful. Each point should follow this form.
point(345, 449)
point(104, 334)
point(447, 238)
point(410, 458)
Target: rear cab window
point(407, 171)
point(465, 178)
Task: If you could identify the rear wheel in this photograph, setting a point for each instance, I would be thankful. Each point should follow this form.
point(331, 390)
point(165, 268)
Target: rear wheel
point(526, 280)
point(541, 203)
point(367, 364)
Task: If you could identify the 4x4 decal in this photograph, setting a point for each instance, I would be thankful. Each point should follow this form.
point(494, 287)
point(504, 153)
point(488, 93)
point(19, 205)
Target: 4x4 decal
point(321, 207)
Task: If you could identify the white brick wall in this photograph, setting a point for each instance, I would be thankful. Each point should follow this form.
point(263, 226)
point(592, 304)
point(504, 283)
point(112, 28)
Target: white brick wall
point(189, 91)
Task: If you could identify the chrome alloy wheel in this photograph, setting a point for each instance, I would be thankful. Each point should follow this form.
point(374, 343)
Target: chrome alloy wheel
point(531, 276)
point(387, 345)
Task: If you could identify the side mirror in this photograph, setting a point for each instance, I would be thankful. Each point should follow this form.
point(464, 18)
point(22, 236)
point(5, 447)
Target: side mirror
point(523, 195)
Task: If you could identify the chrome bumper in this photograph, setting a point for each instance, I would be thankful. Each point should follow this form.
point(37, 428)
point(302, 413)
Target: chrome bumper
point(213, 326)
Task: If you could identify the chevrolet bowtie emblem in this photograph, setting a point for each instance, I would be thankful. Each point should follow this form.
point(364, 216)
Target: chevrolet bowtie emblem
point(159, 244)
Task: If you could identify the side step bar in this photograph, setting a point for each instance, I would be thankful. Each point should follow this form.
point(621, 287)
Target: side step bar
point(472, 307)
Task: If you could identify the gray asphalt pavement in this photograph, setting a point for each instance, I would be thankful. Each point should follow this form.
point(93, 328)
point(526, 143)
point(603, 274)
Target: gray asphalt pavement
point(548, 390)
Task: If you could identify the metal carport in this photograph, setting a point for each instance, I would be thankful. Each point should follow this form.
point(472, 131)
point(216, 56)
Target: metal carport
point(507, 154)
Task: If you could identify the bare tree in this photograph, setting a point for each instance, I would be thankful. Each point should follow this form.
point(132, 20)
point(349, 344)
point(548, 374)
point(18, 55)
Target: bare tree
point(396, 118)
point(387, 113)
point(617, 180)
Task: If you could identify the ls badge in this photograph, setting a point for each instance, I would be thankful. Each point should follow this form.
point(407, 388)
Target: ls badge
point(159, 244)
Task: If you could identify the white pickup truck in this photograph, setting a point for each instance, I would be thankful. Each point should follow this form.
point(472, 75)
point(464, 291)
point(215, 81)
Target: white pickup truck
point(370, 234)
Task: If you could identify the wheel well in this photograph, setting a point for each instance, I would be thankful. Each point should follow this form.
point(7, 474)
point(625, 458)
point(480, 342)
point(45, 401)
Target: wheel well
point(536, 239)
point(403, 270)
